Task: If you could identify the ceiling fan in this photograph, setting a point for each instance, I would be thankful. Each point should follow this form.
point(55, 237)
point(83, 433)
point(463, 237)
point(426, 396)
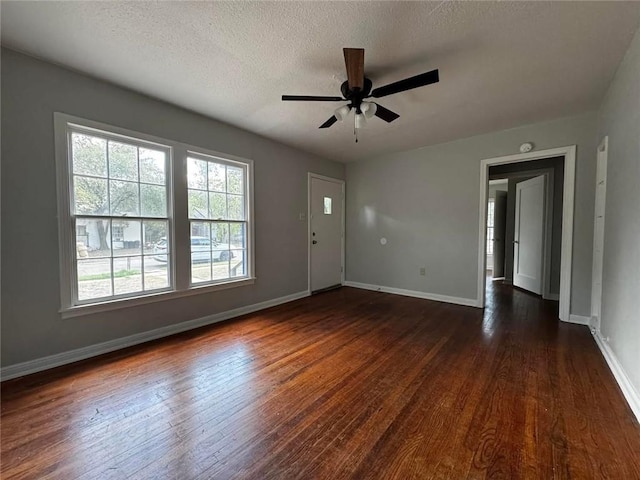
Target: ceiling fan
point(357, 88)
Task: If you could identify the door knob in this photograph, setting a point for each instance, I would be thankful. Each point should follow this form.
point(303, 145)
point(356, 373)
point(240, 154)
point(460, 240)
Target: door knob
point(314, 242)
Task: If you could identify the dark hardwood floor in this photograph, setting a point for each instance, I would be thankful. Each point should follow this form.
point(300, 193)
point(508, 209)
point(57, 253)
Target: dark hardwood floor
point(346, 384)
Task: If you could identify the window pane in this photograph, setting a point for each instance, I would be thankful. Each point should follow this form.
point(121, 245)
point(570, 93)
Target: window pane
point(94, 278)
point(217, 206)
point(236, 207)
point(155, 237)
point(127, 275)
point(221, 267)
point(89, 155)
point(197, 174)
point(198, 204)
point(123, 161)
point(200, 229)
point(90, 196)
point(152, 165)
point(124, 198)
point(156, 272)
point(200, 264)
point(125, 237)
point(237, 235)
point(153, 201)
point(217, 182)
point(220, 235)
point(235, 180)
point(93, 238)
point(327, 205)
point(238, 264)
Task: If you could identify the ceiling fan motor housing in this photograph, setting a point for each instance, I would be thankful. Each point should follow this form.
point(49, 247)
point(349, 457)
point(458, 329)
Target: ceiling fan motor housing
point(356, 95)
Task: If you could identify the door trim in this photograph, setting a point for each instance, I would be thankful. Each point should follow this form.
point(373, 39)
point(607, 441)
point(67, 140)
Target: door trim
point(601, 168)
point(568, 194)
point(311, 175)
point(549, 199)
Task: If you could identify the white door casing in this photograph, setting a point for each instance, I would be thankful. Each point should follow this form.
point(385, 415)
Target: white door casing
point(529, 234)
point(598, 234)
point(568, 197)
point(326, 232)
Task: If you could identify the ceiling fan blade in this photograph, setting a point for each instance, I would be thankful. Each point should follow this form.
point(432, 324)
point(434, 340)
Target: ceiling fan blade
point(311, 98)
point(385, 114)
point(407, 84)
point(354, 61)
point(329, 122)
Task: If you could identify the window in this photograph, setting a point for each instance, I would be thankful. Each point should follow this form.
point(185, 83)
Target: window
point(119, 209)
point(117, 198)
point(218, 220)
point(327, 205)
point(490, 210)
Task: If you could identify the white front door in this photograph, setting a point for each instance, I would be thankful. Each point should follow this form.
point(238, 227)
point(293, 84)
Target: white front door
point(326, 232)
point(598, 235)
point(529, 234)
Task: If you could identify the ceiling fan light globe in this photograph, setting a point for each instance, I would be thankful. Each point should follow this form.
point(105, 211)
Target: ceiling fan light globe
point(342, 112)
point(369, 109)
point(361, 121)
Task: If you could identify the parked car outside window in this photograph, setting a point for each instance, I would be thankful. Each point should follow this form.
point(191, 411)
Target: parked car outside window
point(202, 249)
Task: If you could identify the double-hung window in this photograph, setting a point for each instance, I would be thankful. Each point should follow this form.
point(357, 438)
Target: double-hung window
point(217, 218)
point(129, 224)
point(119, 213)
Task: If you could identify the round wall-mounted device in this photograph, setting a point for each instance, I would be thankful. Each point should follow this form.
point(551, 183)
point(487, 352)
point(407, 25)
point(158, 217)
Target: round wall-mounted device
point(526, 147)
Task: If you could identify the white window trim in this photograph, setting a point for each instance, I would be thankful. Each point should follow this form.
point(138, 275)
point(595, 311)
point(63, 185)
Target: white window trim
point(180, 281)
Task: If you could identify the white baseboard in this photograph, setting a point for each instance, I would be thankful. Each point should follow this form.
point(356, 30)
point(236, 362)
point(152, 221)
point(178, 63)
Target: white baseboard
point(630, 393)
point(468, 302)
point(579, 319)
point(552, 296)
point(45, 363)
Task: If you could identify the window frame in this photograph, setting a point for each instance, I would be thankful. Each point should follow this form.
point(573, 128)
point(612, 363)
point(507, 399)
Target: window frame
point(207, 157)
point(177, 217)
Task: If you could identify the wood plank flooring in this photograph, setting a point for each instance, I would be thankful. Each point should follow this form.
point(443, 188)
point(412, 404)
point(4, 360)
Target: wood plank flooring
point(348, 384)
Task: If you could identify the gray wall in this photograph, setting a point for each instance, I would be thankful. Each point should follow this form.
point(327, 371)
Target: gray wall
point(426, 203)
point(31, 91)
point(619, 118)
point(557, 164)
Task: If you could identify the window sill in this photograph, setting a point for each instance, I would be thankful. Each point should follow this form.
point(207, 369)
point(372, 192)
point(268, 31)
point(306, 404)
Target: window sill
point(81, 310)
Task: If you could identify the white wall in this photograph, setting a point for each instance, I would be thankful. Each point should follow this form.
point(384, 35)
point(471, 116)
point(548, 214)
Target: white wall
point(619, 118)
point(426, 202)
point(32, 91)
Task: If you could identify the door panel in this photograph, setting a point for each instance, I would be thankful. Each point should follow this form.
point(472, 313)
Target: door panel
point(326, 233)
point(529, 234)
point(499, 232)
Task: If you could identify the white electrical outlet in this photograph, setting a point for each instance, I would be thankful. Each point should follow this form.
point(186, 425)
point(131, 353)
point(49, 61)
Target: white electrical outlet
point(423, 271)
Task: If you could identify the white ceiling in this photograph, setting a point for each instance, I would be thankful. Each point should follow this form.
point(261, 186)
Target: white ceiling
point(502, 64)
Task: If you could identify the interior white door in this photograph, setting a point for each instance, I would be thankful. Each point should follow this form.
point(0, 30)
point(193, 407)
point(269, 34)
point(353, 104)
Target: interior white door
point(326, 233)
point(598, 235)
point(529, 234)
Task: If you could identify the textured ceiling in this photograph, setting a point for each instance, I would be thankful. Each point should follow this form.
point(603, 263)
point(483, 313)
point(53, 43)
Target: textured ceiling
point(502, 64)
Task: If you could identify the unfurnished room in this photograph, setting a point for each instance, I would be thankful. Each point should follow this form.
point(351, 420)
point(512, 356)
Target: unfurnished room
point(320, 240)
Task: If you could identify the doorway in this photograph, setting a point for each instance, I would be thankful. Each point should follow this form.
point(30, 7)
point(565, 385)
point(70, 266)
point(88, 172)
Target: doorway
point(326, 233)
point(567, 187)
